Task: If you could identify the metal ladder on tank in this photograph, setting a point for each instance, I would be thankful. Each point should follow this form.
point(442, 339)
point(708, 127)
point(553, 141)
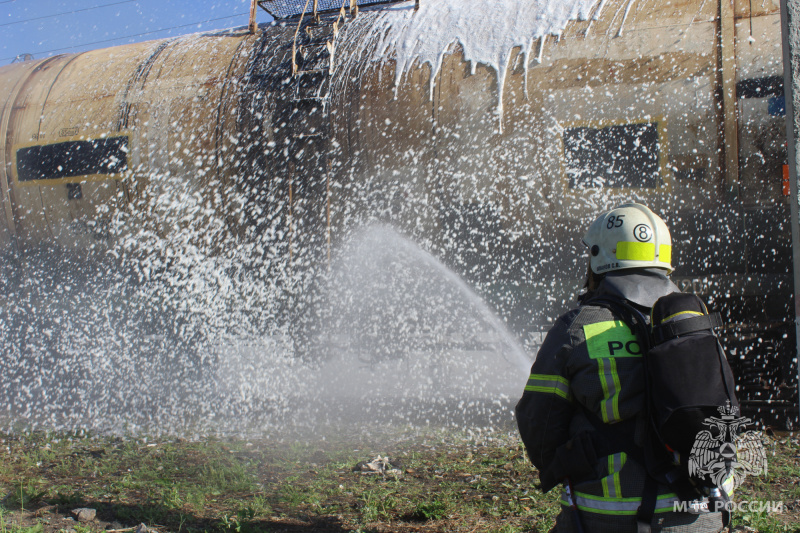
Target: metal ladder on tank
point(314, 51)
point(313, 62)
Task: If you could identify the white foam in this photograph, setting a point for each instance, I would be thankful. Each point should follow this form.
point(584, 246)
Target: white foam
point(487, 31)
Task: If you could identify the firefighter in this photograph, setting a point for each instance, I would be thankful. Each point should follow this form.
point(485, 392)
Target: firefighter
point(584, 401)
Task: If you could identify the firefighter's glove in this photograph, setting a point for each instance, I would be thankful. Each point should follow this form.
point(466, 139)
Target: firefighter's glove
point(576, 460)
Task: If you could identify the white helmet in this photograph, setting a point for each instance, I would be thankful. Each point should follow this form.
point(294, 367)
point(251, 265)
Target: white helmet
point(630, 236)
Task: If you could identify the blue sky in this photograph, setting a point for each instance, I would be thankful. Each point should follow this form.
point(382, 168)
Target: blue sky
point(49, 27)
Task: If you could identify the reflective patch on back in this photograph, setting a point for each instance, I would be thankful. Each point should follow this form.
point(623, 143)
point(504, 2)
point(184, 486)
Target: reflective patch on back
point(611, 339)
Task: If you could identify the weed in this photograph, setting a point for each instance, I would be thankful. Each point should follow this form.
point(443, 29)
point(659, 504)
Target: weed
point(67, 497)
point(13, 528)
point(226, 476)
point(376, 506)
point(257, 507)
point(24, 494)
point(172, 498)
point(434, 510)
point(230, 524)
point(759, 517)
point(238, 524)
point(290, 494)
point(762, 524)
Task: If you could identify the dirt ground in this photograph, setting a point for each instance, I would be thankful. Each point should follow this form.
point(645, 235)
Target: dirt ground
point(428, 483)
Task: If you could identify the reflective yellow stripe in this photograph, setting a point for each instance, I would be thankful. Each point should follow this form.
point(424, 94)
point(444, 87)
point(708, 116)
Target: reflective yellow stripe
point(617, 387)
point(551, 377)
point(665, 253)
point(550, 384)
point(636, 251)
point(608, 485)
point(670, 317)
point(619, 506)
point(620, 458)
point(609, 407)
point(601, 371)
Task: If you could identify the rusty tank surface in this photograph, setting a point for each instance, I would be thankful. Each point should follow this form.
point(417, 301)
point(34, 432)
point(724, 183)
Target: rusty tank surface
point(492, 154)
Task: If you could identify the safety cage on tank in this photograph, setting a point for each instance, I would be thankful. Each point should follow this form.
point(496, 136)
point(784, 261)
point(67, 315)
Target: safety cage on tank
point(281, 9)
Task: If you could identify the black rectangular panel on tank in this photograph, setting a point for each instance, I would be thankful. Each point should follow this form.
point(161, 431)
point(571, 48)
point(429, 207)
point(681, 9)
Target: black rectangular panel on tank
point(760, 87)
point(625, 155)
point(73, 158)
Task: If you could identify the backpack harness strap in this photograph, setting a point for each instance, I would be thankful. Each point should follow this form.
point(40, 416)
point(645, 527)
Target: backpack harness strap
point(670, 330)
point(644, 516)
point(608, 439)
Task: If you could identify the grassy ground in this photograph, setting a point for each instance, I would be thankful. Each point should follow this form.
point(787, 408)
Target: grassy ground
point(448, 483)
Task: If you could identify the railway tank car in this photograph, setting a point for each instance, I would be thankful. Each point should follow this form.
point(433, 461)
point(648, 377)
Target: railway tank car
point(491, 133)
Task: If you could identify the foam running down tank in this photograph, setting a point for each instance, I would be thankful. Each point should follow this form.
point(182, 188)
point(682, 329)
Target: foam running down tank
point(490, 132)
